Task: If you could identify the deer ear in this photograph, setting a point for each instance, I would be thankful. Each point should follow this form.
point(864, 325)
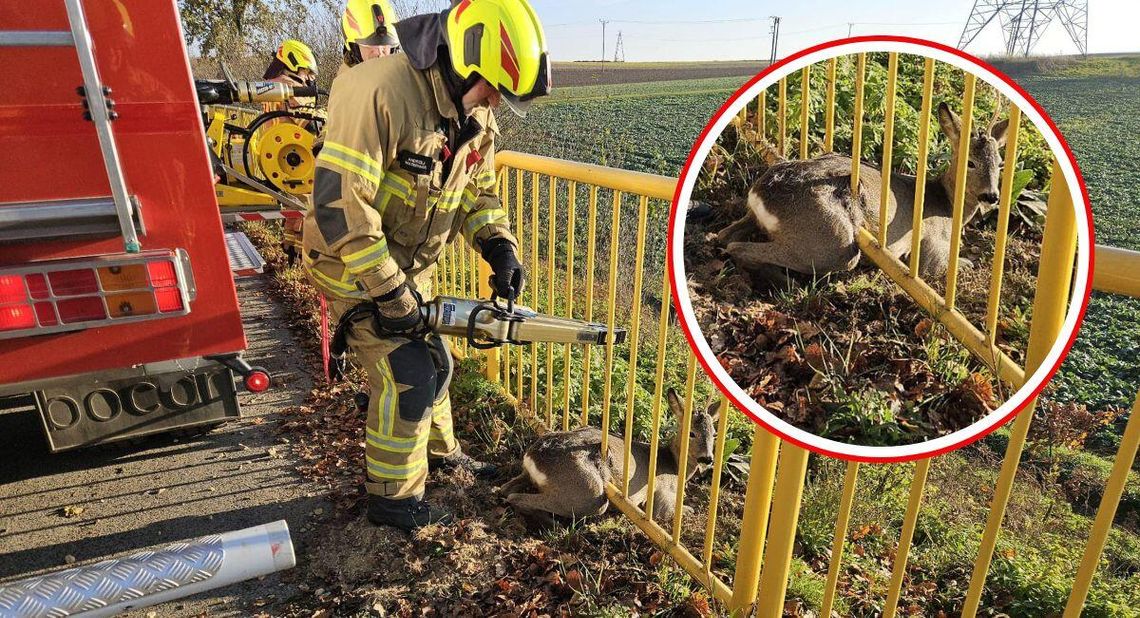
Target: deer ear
point(1000, 131)
point(716, 409)
point(675, 405)
point(950, 122)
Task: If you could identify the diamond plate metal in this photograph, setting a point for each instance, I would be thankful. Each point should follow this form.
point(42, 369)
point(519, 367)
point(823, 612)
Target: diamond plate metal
point(112, 581)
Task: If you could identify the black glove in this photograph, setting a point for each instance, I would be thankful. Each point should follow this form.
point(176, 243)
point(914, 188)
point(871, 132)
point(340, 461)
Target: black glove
point(398, 312)
point(508, 279)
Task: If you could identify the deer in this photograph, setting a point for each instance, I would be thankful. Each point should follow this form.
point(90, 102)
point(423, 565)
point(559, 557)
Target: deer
point(810, 218)
point(568, 474)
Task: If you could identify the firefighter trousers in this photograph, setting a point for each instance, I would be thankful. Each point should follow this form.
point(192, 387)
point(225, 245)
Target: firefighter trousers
point(409, 410)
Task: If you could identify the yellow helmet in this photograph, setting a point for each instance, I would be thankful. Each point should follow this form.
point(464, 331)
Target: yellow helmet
point(295, 55)
point(369, 22)
point(502, 41)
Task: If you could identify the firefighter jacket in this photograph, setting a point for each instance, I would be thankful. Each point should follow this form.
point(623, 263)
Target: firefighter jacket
point(397, 179)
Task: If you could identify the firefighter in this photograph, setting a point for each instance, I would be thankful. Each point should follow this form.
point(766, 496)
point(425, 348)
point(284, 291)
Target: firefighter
point(293, 63)
point(408, 165)
point(369, 31)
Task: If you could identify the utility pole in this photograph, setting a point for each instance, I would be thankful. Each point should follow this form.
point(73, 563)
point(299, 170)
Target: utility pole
point(604, 22)
point(850, 25)
point(1024, 21)
point(619, 49)
point(775, 37)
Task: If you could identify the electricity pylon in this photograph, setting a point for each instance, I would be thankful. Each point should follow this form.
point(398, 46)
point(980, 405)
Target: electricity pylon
point(1024, 21)
point(619, 50)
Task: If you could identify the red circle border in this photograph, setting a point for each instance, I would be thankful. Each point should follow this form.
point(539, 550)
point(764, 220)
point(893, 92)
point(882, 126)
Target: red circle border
point(687, 169)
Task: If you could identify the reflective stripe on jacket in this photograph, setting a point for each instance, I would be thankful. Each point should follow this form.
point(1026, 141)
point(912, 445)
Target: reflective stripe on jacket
point(383, 209)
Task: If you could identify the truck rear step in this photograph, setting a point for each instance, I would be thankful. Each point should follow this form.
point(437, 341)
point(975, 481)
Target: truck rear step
point(245, 261)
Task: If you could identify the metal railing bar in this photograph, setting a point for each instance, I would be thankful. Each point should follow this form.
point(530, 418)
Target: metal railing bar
point(782, 116)
point(782, 535)
point(757, 507)
point(1004, 206)
point(634, 332)
point(1117, 271)
point(1106, 512)
point(922, 162)
point(829, 112)
point(888, 145)
point(762, 115)
point(805, 108)
point(929, 300)
point(571, 190)
point(519, 230)
point(607, 390)
point(714, 491)
point(534, 288)
point(910, 521)
point(687, 561)
point(587, 351)
point(1050, 304)
point(839, 537)
point(959, 203)
point(552, 226)
point(684, 426)
point(857, 126)
point(658, 390)
point(625, 181)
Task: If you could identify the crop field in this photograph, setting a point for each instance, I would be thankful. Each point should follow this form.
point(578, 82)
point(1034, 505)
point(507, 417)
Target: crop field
point(651, 126)
point(589, 73)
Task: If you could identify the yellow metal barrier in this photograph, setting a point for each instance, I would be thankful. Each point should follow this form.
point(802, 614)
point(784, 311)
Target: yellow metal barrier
point(633, 226)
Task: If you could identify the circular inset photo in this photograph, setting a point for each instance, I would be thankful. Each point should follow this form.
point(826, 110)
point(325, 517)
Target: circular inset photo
point(880, 249)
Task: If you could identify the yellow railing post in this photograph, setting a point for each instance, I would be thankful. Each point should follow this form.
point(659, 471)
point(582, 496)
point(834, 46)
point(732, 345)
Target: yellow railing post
point(491, 355)
point(857, 126)
point(888, 145)
point(805, 109)
point(754, 522)
point(1049, 307)
point(552, 220)
point(1106, 512)
point(607, 388)
point(634, 328)
point(829, 111)
point(782, 118)
point(958, 205)
point(762, 115)
point(587, 352)
point(782, 536)
point(921, 164)
point(567, 351)
point(534, 288)
point(910, 521)
point(839, 537)
point(658, 389)
point(1004, 206)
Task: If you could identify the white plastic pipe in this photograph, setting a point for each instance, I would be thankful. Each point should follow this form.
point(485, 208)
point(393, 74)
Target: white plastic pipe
point(152, 577)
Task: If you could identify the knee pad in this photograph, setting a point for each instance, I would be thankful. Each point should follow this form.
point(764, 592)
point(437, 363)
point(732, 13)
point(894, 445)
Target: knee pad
point(413, 367)
point(444, 366)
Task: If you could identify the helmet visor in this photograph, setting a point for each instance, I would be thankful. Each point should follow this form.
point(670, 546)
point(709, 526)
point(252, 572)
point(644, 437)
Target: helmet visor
point(382, 36)
point(517, 105)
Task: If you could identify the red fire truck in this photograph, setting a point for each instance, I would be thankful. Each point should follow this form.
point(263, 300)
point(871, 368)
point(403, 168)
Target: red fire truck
point(118, 312)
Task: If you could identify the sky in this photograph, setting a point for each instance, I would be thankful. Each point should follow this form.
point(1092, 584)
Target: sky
point(655, 30)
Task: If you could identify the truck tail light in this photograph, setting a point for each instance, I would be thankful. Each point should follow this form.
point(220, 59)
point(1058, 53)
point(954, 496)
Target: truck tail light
point(62, 295)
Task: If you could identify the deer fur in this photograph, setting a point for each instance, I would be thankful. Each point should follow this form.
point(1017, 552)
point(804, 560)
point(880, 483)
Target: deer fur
point(806, 211)
point(566, 472)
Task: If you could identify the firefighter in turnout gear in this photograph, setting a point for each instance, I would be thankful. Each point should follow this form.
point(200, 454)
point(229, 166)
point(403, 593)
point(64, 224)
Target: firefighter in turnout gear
point(369, 31)
point(408, 166)
point(293, 63)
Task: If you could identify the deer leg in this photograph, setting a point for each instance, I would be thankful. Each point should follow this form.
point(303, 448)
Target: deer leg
point(565, 504)
point(737, 230)
point(516, 484)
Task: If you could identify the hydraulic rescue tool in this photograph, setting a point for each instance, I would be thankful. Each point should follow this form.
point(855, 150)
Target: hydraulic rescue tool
point(262, 159)
point(485, 324)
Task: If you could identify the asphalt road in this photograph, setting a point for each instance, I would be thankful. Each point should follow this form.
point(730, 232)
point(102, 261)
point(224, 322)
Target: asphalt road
point(165, 490)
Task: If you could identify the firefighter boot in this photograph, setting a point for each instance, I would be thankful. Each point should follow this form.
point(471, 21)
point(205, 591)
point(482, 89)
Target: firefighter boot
point(459, 459)
point(407, 514)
